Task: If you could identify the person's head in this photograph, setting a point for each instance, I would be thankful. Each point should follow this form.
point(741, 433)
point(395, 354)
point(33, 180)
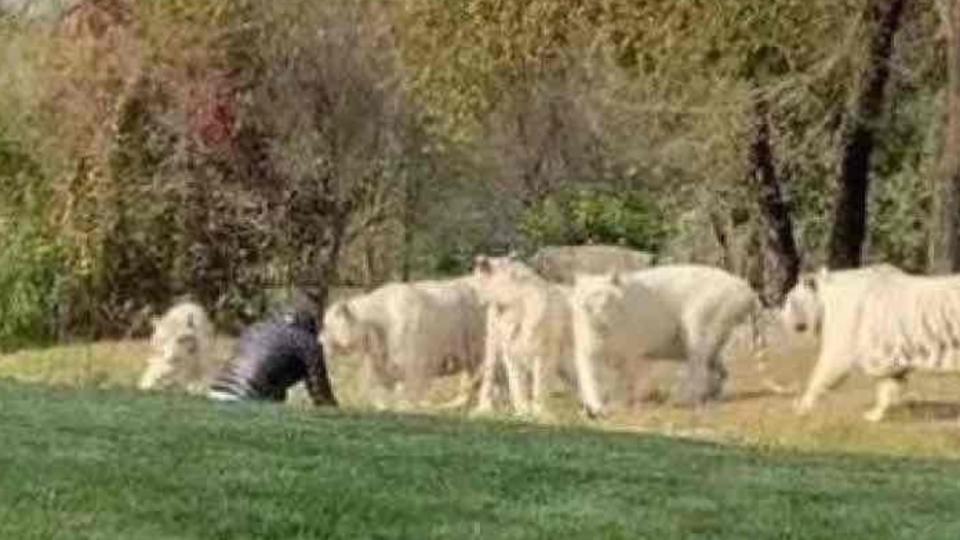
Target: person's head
point(299, 318)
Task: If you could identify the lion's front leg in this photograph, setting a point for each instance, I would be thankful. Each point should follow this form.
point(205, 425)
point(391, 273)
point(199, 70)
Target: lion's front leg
point(158, 373)
point(585, 363)
point(377, 381)
point(538, 387)
point(487, 375)
point(705, 375)
point(829, 371)
point(516, 383)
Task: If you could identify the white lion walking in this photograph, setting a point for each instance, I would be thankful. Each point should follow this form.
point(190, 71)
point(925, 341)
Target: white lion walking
point(671, 312)
point(562, 263)
point(183, 350)
point(409, 333)
point(881, 320)
point(530, 331)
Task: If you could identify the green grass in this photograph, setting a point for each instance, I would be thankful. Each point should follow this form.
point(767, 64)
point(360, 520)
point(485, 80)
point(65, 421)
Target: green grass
point(111, 463)
point(925, 426)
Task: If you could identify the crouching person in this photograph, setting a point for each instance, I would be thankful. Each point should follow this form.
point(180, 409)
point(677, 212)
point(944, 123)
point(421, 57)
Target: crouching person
point(273, 355)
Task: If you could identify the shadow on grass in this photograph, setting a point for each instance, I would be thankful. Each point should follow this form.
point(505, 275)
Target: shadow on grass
point(927, 410)
point(658, 397)
point(750, 395)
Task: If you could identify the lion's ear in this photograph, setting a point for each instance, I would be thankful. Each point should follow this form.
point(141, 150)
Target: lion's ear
point(813, 281)
point(823, 276)
point(346, 312)
point(338, 309)
point(481, 264)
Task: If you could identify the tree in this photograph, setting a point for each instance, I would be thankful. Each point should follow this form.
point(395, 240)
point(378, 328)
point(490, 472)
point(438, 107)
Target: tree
point(338, 130)
point(882, 18)
point(946, 244)
point(781, 260)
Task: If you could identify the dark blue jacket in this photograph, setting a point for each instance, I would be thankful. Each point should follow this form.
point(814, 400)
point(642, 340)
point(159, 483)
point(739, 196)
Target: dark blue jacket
point(273, 355)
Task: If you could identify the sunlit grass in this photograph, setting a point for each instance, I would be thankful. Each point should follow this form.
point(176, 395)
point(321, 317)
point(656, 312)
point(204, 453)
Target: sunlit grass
point(926, 425)
point(115, 463)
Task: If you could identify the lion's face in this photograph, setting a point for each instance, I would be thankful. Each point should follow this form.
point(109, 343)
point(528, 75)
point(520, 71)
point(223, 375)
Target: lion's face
point(342, 332)
point(803, 309)
point(500, 278)
point(597, 297)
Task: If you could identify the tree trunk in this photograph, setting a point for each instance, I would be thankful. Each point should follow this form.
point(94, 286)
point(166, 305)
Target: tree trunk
point(850, 214)
point(752, 262)
point(321, 270)
point(719, 226)
point(781, 261)
point(945, 255)
point(411, 196)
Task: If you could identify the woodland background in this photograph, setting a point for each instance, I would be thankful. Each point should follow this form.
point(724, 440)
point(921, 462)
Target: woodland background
point(231, 148)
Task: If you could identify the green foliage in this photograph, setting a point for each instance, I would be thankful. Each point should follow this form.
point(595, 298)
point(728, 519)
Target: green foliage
point(899, 224)
point(210, 146)
point(902, 203)
point(581, 216)
point(30, 274)
point(30, 262)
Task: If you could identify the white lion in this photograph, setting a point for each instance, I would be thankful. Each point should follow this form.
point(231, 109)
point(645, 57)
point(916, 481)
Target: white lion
point(884, 321)
point(562, 263)
point(614, 324)
point(183, 350)
point(803, 306)
point(670, 312)
point(409, 333)
point(530, 330)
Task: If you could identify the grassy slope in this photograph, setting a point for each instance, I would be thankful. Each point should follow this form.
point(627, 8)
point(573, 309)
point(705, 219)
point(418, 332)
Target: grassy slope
point(749, 415)
point(114, 464)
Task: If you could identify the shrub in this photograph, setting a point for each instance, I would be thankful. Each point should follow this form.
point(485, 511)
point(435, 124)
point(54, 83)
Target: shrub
point(29, 261)
point(580, 216)
point(29, 287)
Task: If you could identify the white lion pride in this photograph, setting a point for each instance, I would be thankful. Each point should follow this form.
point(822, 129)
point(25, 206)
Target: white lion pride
point(530, 327)
point(881, 320)
point(671, 312)
point(409, 333)
point(183, 346)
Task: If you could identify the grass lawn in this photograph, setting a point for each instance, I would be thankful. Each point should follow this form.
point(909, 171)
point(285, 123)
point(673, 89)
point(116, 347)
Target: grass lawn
point(112, 463)
point(749, 415)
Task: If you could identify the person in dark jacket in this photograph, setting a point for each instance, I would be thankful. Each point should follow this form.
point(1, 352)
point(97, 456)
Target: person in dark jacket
point(273, 355)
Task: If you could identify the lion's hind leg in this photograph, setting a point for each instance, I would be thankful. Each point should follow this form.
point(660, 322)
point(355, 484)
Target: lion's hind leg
point(467, 388)
point(889, 390)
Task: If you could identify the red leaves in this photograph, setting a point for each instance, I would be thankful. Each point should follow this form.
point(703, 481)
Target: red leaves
point(213, 113)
